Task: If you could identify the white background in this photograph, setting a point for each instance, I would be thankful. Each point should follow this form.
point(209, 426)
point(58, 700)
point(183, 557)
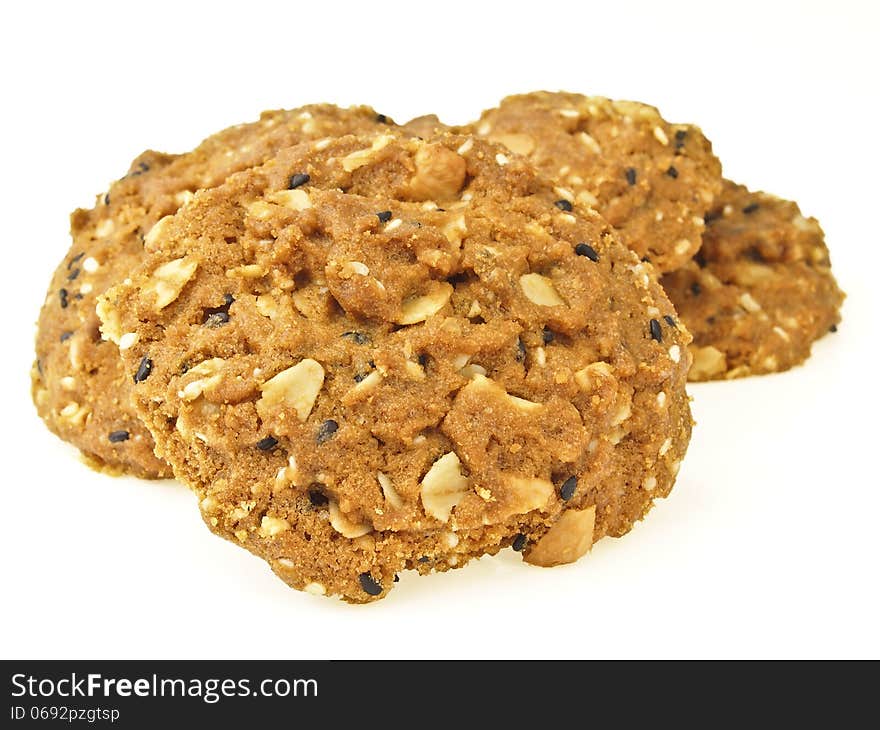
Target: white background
point(768, 545)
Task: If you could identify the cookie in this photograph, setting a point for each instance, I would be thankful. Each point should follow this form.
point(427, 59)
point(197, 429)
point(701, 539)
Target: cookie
point(79, 388)
point(424, 360)
point(759, 292)
point(652, 180)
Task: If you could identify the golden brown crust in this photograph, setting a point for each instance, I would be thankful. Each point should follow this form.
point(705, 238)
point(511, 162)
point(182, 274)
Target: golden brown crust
point(78, 386)
point(424, 360)
point(760, 291)
point(652, 180)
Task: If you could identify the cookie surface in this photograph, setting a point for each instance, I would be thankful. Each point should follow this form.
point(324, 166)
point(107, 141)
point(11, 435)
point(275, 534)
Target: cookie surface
point(759, 292)
point(425, 360)
point(652, 180)
point(78, 386)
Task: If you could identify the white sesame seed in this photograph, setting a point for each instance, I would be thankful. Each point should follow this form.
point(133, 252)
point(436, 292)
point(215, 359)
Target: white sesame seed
point(649, 483)
point(128, 339)
point(501, 159)
point(396, 223)
point(664, 447)
point(465, 147)
point(86, 288)
point(782, 333)
point(748, 303)
point(661, 398)
point(569, 113)
point(683, 246)
point(660, 136)
point(90, 265)
point(564, 193)
point(484, 129)
point(322, 144)
point(675, 353)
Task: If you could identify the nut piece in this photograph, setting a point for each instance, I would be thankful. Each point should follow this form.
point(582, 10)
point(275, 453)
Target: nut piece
point(481, 384)
point(540, 290)
point(210, 369)
point(111, 325)
point(169, 279)
point(708, 361)
point(360, 158)
point(153, 235)
point(343, 525)
point(297, 199)
point(418, 309)
point(521, 144)
point(570, 538)
point(440, 173)
point(297, 388)
point(271, 526)
point(528, 493)
point(391, 495)
point(443, 486)
point(589, 377)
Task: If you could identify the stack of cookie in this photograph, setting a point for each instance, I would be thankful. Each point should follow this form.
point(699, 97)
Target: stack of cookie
point(370, 348)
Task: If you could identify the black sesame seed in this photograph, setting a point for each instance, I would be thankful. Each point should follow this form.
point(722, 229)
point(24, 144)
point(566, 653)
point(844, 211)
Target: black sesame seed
point(423, 359)
point(711, 216)
point(631, 175)
point(144, 370)
point(73, 274)
point(680, 135)
point(62, 298)
point(548, 336)
point(751, 208)
point(359, 338)
point(75, 259)
point(77, 296)
point(40, 367)
point(326, 430)
point(753, 254)
point(216, 316)
point(382, 119)
point(564, 205)
point(396, 578)
point(300, 178)
point(519, 542)
point(318, 499)
point(566, 491)
point(833, 328)
point(116, 436)
point(520, 351)
point(585, 249)
point(700, 259)
point(107, 199)
point(384, 216)
point(670, 320)
point(359, 377)
point(672, 172)
point(369, 584)
point(656, 332)
point(65, 336)
point(267, 444)
point(215, 319)
point(424, 559)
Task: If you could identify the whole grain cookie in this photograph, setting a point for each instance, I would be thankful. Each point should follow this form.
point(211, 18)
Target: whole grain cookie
point(652, 180)
point(79, 388)
point(759, 292)
point(424, 359)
